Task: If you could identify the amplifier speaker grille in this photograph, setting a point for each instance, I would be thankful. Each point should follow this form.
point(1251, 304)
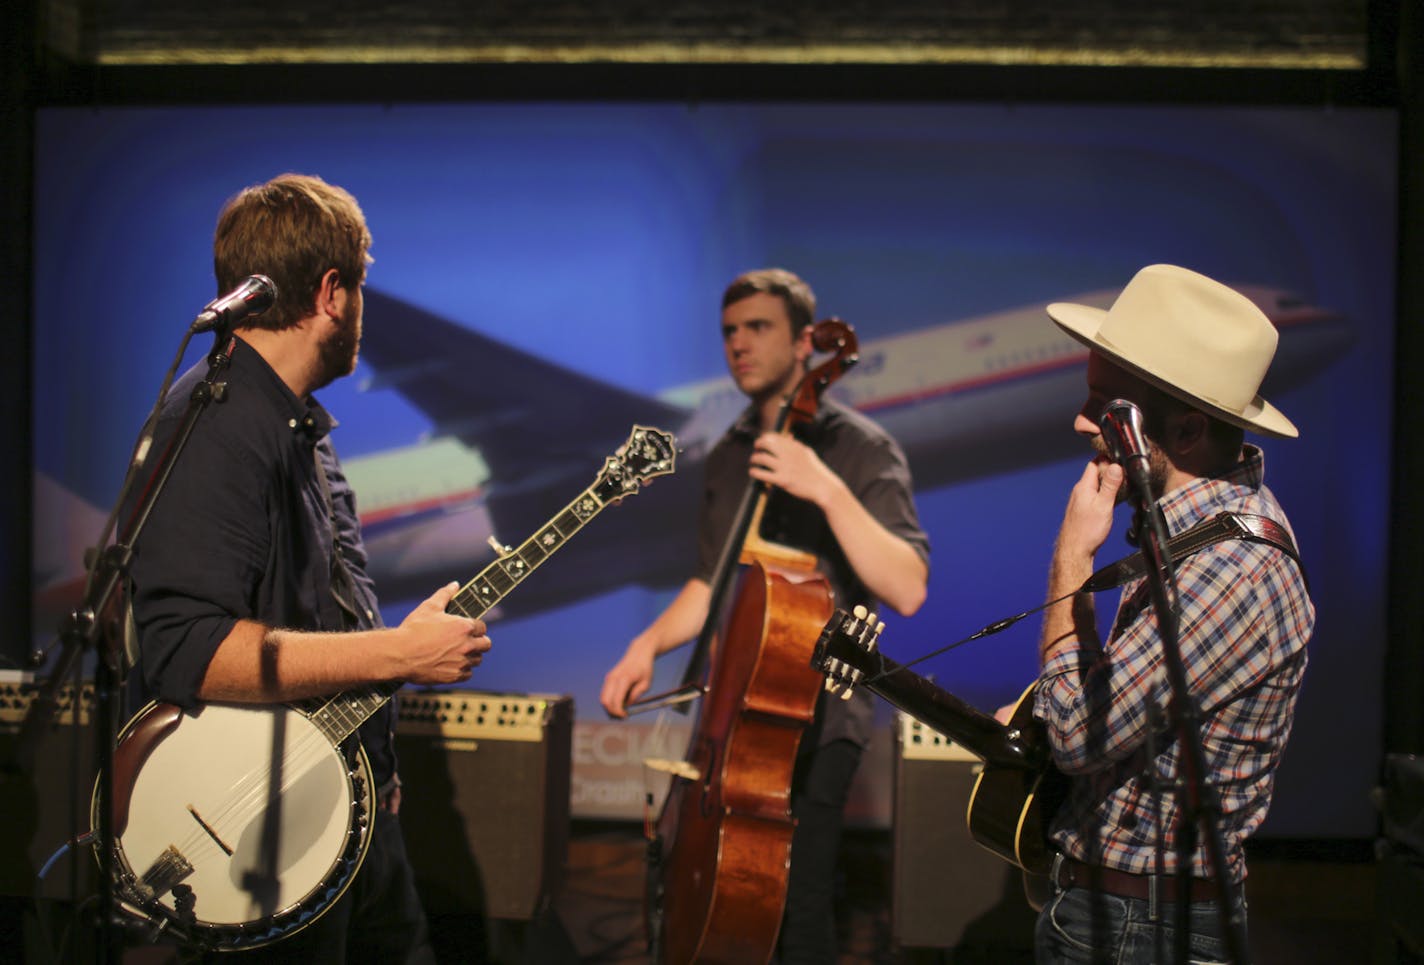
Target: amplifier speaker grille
point(50, 805)
point(485, 807)
point(947, 891)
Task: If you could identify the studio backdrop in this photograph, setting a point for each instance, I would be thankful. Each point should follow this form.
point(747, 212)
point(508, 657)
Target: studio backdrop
point(547, 275)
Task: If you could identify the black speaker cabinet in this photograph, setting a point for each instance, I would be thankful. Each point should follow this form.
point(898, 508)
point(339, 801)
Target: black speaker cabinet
point(49, 805)
point(946, 890)
point(485, 803)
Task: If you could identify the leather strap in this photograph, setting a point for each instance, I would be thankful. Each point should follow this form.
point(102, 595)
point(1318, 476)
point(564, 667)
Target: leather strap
point(1217, 529)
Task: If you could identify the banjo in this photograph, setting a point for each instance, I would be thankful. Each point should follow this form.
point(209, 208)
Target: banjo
point(236, 825)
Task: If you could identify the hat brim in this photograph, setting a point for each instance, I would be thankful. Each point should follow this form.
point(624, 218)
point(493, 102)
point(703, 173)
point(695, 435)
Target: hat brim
point(1082, 323)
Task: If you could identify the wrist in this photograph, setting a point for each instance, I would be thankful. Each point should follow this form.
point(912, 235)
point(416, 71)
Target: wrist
point(391, 653)
point(643, 647)
point(832, 490)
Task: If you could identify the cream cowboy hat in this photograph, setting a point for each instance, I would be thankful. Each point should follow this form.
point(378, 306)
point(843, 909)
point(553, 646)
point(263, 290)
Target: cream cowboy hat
point(1192, 337)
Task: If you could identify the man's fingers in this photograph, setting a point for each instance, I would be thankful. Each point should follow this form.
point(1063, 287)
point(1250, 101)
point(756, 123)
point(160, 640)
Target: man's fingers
point(441, 597)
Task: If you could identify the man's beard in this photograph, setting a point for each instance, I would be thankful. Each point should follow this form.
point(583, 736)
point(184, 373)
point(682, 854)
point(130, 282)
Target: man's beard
point(336, 353)
point(1156, 470)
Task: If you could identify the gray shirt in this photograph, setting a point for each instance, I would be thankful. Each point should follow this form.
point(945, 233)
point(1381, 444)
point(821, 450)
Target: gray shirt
point(873, 467)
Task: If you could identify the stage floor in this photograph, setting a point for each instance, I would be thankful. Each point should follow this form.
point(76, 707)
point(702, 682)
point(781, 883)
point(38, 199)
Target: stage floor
point(1308, 904)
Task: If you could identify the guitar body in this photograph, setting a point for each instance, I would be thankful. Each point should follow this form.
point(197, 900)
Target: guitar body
point(1009, 809)
point(252, 807)
point(728, 833)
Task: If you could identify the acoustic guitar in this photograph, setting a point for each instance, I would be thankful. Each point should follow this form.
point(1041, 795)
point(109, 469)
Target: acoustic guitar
point(1017, 791)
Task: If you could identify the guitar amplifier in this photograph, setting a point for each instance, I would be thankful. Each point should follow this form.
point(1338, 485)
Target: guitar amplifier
point(946, 890)
point(50, 805)
point(485, 802)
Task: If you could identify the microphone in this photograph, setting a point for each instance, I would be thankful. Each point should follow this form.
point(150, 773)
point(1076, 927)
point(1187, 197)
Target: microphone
point(253, 297)
point(1121, 425)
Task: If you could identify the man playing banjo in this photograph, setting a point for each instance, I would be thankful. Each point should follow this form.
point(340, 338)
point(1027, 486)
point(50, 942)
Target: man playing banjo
point(249, 579)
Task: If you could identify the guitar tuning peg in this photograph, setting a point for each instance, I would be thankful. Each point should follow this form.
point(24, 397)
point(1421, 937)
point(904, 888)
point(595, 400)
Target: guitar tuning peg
point(860, 612)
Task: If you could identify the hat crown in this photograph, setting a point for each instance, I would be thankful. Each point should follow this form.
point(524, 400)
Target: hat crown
point(1203, 338)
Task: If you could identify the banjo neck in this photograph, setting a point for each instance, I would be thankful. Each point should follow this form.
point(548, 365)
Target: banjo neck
point(647, 453)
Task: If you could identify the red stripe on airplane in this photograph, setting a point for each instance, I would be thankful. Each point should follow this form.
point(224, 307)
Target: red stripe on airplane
point(422, 506)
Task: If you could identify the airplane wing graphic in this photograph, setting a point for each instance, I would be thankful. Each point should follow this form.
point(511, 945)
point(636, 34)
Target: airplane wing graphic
point(526, 416)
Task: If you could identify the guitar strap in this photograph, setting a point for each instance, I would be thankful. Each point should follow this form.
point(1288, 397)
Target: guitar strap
point(1216, 529)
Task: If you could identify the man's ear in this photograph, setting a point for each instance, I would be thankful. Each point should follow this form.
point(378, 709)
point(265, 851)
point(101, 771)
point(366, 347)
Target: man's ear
point(326, 303)
point(1190, 432)
point(802, 345)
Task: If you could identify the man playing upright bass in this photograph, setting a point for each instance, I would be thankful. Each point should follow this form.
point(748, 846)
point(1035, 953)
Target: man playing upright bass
point(841, 491)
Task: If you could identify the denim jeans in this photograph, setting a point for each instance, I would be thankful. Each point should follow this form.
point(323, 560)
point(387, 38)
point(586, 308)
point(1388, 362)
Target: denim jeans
point(1083, 926)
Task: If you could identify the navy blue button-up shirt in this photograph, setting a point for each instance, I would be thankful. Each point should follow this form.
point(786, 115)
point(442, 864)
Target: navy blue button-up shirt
point(242, 530)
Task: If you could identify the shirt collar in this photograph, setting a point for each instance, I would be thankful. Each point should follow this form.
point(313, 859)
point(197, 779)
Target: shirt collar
point(305, 417)
point(314, 423)
point(1201, 497)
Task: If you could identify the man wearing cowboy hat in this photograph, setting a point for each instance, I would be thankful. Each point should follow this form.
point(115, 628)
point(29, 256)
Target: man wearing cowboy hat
point(1190, 353)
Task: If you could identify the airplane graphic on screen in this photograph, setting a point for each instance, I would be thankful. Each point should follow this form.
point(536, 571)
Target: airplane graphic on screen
point(512, 433)
point(513, 437)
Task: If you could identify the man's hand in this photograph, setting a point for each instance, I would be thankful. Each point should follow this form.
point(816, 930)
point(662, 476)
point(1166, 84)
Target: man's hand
point(788, 464)
point(1086, 524)
point(1089, 517)
point(629, 679)
point(442, 648)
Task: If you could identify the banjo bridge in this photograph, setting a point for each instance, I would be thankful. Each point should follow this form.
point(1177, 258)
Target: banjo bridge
point(209, 829)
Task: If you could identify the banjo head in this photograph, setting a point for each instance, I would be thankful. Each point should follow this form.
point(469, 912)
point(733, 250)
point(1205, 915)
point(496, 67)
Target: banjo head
point(252, 812)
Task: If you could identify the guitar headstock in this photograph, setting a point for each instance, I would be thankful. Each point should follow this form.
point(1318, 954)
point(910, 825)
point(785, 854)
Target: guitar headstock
point(647, 454)
point(845, 638)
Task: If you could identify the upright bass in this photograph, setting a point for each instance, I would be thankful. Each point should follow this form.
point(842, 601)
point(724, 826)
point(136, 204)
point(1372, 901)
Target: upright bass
point(718, 884)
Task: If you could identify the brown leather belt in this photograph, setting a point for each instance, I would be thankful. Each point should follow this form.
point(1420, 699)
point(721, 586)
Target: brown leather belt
point(1072, 873)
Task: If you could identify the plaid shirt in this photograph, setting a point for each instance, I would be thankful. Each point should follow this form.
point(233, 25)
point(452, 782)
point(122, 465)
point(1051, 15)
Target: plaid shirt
point(1245, 620)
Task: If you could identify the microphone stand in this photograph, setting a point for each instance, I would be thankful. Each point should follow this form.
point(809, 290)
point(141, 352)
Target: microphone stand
point(1197, 801)
point(100, 614)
